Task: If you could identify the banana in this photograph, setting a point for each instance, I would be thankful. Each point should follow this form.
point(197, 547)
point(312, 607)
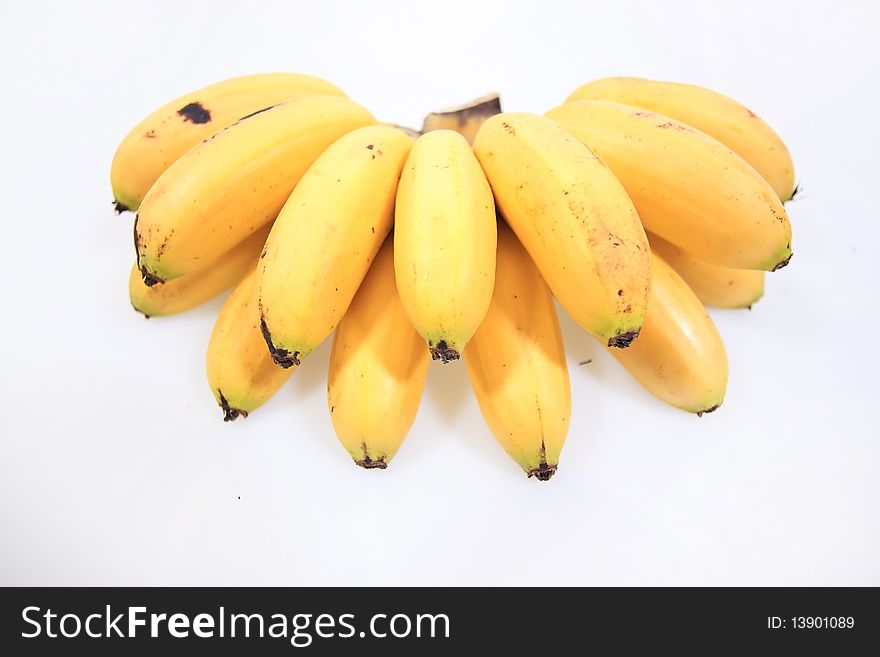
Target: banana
point(679, 356)
point(377, 369)
point(240, 371)
point(575, 220)
point(230, 185)
point(169, 132)
point(516, 364)
point(687, 187)
point(716, 286)
point(719, 116)
point(465, 119)
point(444, 242)
point(325, 238)
point(194, 289)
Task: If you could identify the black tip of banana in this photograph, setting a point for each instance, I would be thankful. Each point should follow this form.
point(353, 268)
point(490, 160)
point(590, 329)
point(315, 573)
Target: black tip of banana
point(783, 263)
point(623, 340)
point(543, 472)
point(369, 464)
point(281, 357)
point(708, 410)
point(230, 414)
point(444, 353)
point(149, 279)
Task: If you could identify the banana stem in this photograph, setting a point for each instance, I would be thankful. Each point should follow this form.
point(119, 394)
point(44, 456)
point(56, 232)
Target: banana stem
point(465, 119)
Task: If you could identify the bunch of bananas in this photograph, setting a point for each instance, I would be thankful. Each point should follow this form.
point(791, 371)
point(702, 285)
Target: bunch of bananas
point(454, 241)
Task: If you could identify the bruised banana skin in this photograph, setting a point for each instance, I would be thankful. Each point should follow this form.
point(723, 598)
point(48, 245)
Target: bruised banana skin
point(169, 132)
point(679, 357)
point(377, 370)
point(516, 363)
point(194, 289)
point(444, 242)
point(240, 371)
point(232, 184)
point(575, 220)
point(713, 113)
point(688, 188)
point(325, 238)
point(720, 287)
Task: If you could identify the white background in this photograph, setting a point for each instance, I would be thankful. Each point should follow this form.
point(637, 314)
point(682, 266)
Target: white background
point(116, 469)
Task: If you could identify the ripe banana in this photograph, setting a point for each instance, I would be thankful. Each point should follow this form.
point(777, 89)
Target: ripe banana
point(679, 356)
point(719, 116)
point(687, 187)
point(444, 242)
point(716, 286)
point(377, 369)
point(465, 119)
point(575, 220)
point(325, 238)
point(227, 187)
point(194, 289)
point(240, 371)
point(516, 363)
point(169, 132)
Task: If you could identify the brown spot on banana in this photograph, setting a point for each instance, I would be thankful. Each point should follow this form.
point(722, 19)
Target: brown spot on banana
point(195, 113)
point(150, 279)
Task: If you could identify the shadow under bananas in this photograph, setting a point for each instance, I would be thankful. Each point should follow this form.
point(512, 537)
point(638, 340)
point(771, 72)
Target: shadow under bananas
point(582, 350)
point(586, 355)
point(312, 373)
point(306, 391)
point(448, 386)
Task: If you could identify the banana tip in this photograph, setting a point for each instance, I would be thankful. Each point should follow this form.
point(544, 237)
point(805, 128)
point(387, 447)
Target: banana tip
point(280, 356)
point(150, 279)
point(372, 464)
point(782, 263)
point(623, 340)
point(142, 312)
point(120, 207)
point(444, 353)
point(711, 409)
point(543, 472)
point(230, 414)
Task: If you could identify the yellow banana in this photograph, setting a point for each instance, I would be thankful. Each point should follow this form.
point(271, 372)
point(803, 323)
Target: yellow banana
point(377, 369)
point(325, 238)
point(194, 289)
point(240, 371)
point(516, 363)
point(465, 119)
point(230, 185)
point(444, 242)
point(716, 286)
point(169, 132)
point(679, 356)
point(719, 116)
point(575, 220)
point(688, 188)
